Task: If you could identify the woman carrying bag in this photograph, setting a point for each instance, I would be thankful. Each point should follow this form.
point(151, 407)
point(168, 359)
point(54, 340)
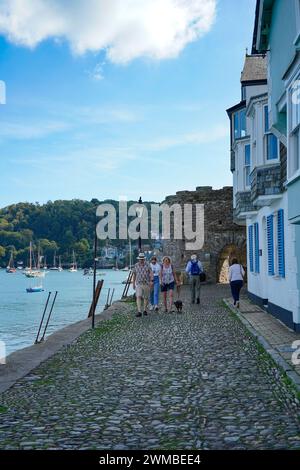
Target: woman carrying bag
point(236, 279)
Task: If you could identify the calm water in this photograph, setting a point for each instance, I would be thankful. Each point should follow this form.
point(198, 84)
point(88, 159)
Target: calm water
point(20, 312)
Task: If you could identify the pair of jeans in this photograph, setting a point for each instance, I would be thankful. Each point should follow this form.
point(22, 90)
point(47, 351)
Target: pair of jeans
point(195, 287)
point(235, 290)
point(154, 295)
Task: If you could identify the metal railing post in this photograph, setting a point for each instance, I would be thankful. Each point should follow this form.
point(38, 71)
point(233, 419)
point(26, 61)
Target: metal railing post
point(42, 320)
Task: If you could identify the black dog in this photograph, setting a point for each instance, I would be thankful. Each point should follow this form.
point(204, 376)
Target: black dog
point(178, 304)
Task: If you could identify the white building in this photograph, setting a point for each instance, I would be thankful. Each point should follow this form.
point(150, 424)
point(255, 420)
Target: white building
point(258, 164)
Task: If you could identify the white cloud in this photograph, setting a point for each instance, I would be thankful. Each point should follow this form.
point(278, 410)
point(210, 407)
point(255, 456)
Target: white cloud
point(97, 72)
point(125, 29)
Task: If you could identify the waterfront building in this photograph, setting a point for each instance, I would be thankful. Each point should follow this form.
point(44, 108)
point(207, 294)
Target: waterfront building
point(265, 149)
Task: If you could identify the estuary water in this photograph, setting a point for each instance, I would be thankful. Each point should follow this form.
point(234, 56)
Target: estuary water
point(21, 312)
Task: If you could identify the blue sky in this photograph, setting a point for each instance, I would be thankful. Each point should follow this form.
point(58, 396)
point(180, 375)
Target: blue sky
point(90, 125)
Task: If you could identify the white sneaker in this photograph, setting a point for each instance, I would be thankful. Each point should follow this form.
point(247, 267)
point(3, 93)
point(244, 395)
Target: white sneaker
point(151, 308)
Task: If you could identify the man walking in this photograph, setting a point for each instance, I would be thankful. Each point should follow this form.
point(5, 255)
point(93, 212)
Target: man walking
point(142, 281)
point(194, 269)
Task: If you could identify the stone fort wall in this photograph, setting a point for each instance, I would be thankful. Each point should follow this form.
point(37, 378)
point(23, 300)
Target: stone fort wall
point(223, 239)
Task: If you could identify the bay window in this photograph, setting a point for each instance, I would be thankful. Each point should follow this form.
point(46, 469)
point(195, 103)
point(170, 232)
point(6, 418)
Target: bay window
point(247, 163)
point(271, 142)
point(239, 124)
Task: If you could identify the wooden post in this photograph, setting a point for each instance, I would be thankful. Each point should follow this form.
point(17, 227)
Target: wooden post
point(95, 299)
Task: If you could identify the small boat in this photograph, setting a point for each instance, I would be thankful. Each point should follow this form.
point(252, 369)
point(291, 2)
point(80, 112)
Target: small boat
point(55, 267)
point(31, 290)
point(88, 272)
point(33, 272)
point(11, 268)
point(73, 268)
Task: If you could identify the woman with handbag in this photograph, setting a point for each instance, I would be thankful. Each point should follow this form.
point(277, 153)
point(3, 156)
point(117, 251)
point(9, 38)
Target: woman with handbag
point(236, 279)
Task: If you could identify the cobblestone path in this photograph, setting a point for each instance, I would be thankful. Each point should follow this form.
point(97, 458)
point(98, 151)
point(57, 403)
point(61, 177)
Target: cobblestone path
point(166, 381)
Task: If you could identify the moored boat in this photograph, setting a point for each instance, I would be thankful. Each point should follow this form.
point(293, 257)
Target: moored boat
point(31, 290)
point(73, 268)
point(11, 268)
point(33, 271)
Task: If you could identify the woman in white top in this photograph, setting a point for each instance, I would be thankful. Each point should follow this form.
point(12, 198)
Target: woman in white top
point(168, 279)
point(236, 277)
point(154, 294)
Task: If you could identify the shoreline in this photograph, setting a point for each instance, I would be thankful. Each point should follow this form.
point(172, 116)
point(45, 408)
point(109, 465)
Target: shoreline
point(22, 361)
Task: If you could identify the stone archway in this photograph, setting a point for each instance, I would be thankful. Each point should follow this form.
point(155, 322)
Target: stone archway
point(226, 255)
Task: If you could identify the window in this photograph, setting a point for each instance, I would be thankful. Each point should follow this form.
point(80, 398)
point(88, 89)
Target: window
point(271, 142)
point(239, 124)
point(294, 131)
point(250, 247)
point(243, 92)
point(256, 247)
point(247, 163)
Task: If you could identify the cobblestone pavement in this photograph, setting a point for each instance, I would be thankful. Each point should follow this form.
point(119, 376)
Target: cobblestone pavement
point(167, 381)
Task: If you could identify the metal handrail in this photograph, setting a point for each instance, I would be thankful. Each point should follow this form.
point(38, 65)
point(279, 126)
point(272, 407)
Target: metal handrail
point(47, 323)
point(42, 320)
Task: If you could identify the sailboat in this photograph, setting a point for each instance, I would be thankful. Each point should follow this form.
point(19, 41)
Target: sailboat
point(45, 263)
point(54, 267)
point(73, 268)
point(116, 268)
point(11, 267)
point(33, 272)
point(60, 268)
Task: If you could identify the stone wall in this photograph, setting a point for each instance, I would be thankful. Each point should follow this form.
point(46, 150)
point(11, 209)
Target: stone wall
point(265, 181)
point(223, 239)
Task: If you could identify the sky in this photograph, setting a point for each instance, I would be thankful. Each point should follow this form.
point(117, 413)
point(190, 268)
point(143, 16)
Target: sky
point(118, 98)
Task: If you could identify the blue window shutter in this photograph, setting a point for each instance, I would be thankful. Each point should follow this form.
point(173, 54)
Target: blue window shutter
point(280, 243)
point(256, 245)
point(270, 237)
point(250, 244)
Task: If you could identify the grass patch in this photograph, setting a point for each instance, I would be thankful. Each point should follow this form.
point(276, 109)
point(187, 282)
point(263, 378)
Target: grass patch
point(3, 409)
point(129, 300)
point(40, 382)
point(116, 323)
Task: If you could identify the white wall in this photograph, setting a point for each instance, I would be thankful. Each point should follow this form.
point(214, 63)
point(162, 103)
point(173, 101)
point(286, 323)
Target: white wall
point(279, 291)
point(254, 90)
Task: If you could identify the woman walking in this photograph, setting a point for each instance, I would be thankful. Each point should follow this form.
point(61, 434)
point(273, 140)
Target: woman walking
point(236, 277)
point(168, 279)
point(154, 294)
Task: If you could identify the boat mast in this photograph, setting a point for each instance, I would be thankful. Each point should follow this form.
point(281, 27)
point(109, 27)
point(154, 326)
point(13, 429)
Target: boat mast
point(30, 256)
